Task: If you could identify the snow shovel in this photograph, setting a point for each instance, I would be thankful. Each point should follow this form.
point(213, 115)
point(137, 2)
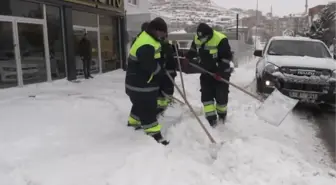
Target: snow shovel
point(272, 110)
point(214, 147)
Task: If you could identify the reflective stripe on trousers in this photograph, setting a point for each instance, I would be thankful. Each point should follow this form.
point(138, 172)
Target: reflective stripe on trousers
point(221, 108)
point(141, 89)
point(133, 120)
point(209, 108)
point(162, 102)
point(152, 128)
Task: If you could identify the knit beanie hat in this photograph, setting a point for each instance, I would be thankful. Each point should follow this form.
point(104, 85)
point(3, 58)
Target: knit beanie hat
point(158, 24)
point(203, 30)
point(144, 26)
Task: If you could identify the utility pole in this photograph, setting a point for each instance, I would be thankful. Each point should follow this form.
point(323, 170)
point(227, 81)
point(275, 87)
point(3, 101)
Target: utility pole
point(237, 27)
point(256, 28)
point(272, 23)
point(307, 14)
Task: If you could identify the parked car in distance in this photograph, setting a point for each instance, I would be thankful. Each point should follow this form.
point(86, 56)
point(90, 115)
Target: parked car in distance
point(302, 68)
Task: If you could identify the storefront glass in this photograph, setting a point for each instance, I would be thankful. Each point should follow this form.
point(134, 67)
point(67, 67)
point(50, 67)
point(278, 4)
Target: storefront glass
point(92, 37)
point(84, 19)
point(32, 53)
point(85, 23)
point(109, 39)
point(8, 75)
point(21, 8)
point(23, 39)
point(55, 37)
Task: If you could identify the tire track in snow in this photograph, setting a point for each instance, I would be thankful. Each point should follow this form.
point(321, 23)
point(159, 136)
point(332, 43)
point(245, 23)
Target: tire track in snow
point(326, 122)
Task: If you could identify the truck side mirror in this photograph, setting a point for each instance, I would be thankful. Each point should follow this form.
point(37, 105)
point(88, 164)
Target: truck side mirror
point(258, 53)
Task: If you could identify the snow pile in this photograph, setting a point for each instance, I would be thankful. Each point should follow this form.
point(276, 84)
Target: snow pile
point(76, 134)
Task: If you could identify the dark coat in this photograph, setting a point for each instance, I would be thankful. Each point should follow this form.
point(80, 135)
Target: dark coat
point(85, 48)
point(207, 62)
point(139, 72)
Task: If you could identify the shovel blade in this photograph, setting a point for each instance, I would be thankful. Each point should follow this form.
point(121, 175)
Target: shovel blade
point(276, 107)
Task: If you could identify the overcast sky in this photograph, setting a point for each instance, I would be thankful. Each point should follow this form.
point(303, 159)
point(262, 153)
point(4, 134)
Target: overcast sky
point(280, 7)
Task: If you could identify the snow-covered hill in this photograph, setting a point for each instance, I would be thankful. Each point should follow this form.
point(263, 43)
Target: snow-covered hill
point(188, 12)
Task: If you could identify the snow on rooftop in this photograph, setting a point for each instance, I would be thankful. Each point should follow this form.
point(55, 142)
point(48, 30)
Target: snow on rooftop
point(239, 27)
point(179, 31)
point(292, 38)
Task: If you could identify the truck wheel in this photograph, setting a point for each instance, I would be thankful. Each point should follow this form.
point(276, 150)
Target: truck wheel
point(327, 107)
point(260, 87)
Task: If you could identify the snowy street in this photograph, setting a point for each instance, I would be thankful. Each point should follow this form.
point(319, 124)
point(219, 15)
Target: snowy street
point(64, 133)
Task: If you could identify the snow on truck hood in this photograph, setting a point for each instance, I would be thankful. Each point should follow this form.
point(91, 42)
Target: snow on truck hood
point(306, 61)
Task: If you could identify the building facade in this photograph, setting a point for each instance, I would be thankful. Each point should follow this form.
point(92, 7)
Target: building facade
point(137, 12)
point(313, 13)
point(40, 38)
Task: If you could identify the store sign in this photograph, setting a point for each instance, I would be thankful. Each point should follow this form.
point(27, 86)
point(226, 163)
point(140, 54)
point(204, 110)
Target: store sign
point(113, 3)
point(100, 3)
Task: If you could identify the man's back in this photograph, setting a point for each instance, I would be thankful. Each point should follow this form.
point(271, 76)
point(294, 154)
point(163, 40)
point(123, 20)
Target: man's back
point(85, 47)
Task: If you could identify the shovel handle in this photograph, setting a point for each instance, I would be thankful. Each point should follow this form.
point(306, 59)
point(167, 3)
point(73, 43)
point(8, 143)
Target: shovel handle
point(192, 110)
point(180, 68)
point(173, 98)
point(225, 81)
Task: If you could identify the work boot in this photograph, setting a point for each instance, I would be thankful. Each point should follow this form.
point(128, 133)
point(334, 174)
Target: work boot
point(213, 123)
point(159, 138)
point(222, 118)
point(135, 126)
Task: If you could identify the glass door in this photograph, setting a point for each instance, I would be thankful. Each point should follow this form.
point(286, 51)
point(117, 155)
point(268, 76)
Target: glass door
point(8, 62)
point(92, 36)
point(32, 53)
point(24, 51)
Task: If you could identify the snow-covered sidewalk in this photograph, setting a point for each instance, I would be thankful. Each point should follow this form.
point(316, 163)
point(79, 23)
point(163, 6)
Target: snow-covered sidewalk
point(63, 133)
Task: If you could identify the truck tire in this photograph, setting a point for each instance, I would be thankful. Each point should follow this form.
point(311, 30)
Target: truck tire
point(259, 84)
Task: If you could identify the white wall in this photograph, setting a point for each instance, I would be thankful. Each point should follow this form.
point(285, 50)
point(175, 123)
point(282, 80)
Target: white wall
point(141, 7)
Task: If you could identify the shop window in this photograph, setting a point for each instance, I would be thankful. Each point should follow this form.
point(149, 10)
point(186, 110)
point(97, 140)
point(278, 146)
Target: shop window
point(21, 8)
point(84, 19)
point(133, 2)
point(55, 36)
point(109, 39)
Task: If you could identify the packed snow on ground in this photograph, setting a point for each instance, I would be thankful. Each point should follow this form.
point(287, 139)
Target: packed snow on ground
point(64, 133)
